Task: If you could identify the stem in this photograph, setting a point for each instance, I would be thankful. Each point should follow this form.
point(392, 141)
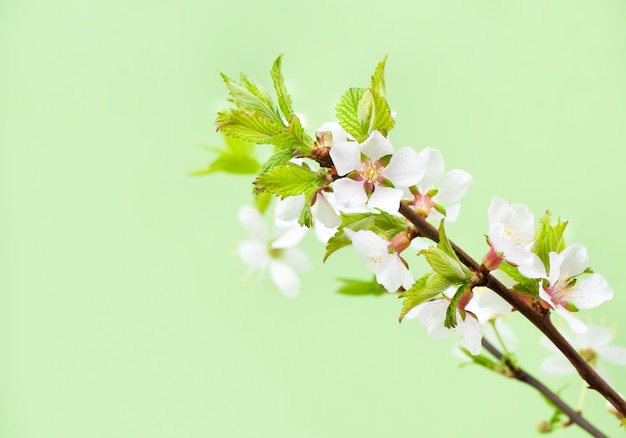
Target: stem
point(523, 376)
point(538, 316)
point(507, 354)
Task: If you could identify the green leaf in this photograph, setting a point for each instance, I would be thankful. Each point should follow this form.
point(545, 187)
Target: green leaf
point(347, 113)
point(444, 260)
point(238, 157)
point(549, 238)
point(427, 287)
point(524, 286)
point(249, 127)
point(262, 201)
point(250, 97)
point(378, 78)
point(280, 158)
point(450, 320)
point(284, 100)
point(360, 287)
point(288, 180)
point(383, 224)
point(381, 119)
point(294, 138)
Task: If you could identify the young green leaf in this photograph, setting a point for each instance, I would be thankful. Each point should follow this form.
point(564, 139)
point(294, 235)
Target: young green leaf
point(347, 113)
point(238, 157)
point(252, 98)
point(288, 180)
point(549, 238)
point(294, 138)
point(378, 78)
point(427, 287)
point(284, 100)
point(248, 127)
point(360, 287)
point(450, 320)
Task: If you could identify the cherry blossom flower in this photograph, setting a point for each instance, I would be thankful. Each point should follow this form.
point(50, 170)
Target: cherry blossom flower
point(564, 293)
point(511, 233)
point(277, 254)
point(594, 344)
point(489, 308)
point(432, 314)
point(371, 177)
point(383, 258)
point(437, 188)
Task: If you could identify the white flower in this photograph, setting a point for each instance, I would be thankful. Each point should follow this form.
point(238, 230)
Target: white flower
point(432, 314)
point(511, 232)
point(382, 259)
point(593, 344)
point(437, 188)
point(490, 307)
point(278, 255)
point(368, 173)
point(565, 293)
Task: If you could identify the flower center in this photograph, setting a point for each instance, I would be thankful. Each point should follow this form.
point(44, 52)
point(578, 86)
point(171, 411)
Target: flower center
point(371, 171)
point(512, 231)
point(376, 260)
point(564, 289)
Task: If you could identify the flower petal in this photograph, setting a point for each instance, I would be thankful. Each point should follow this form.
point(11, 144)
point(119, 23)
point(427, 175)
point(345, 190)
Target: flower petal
point(289, 208)
point(324, 211)
point(591, 292)
point(575, 324)
point(367, 243)
point(471, 332)
point(285, 279)
point(346, 157)
point(453, 186)
point(253, 254)
point(613, 354)
point(556, 365)
point(392, 273)
point(296, 259)
point(350, 193)
point(289, 235)
point(253, 222)
point(575, 260)
point(434, 168)
point(385, 198)
point(339, 134)
point(375, 147)
point(405, 168)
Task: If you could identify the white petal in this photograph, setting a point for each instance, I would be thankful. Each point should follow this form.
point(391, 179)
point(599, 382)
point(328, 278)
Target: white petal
point(367, 243)
point(296, 259)
point(346, 157)
point(253, 254)
point(575, 260)
point(434, 168)
point(471, 332)
point(385, 198)
point(452, 213)
point(556, 365)
point(253, 222)
point(289, 209)
point(405, 168)
point(324, 212)
point(453, 186)
point(350, 193)
point(534, 268)
point(289, 236)
point(595, 338)
point(376, 146)
point(322, 232)
point(575, 324)
point(556, 260)
point(285, 279)
point(432, 314)
point(391, 273)
point(613, 354)
point(591, 292)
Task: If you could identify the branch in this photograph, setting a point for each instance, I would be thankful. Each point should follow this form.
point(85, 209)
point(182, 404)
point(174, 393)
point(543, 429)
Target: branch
point(539, 317)
point(523, 376)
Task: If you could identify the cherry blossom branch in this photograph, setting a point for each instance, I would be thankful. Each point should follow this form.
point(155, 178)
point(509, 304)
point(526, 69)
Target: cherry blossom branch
point(521, 375)
point(538, 316)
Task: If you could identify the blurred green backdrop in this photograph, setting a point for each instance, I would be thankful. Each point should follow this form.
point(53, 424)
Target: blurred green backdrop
point(121, 309)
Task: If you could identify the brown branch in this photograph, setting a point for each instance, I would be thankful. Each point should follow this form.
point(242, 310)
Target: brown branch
point(521, 375)
point(539, 317)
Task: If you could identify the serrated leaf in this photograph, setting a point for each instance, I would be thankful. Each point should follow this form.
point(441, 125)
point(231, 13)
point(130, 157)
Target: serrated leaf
point(427, 287)
point(288, 180)
point(294, 138)
point(347, 112)
point(549, 238)
point(383, 224)
point(381, 119)
point(284, 100)
point(252, 98)
point(249, 127)
point(280, 158)
point(446, 266)
point(360, 287)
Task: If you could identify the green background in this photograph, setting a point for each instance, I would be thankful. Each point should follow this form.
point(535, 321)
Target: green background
point(122, 313)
